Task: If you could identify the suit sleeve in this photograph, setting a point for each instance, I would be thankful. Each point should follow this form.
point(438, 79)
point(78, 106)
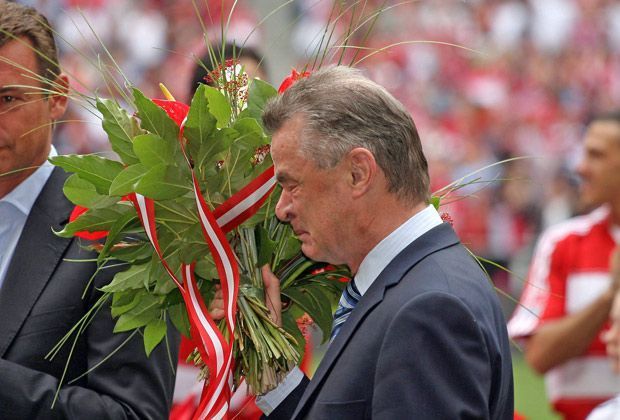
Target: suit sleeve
point(286, 408)
point(434, 363)
point(126, 386)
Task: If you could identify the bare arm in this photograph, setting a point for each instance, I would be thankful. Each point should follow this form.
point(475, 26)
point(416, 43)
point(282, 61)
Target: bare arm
point(558, 341)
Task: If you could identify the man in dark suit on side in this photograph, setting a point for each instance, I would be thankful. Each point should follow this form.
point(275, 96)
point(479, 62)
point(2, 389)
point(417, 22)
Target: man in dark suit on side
point(40, 287)
point(427, 339)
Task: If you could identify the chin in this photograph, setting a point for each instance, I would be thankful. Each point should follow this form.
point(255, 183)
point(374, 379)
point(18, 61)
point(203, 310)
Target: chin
point(312, 253)
point(588, 202)
point(308, 251)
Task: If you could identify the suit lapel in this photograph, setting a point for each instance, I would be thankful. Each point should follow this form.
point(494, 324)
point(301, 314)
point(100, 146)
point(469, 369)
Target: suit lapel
point(434, 240)
point(36, 256)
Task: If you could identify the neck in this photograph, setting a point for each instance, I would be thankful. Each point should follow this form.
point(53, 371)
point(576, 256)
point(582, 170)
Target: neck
point(10, 181)
point(377, 226)
point(615, 213)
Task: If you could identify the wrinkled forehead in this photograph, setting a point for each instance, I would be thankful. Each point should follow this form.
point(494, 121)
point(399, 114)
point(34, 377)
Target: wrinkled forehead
point(288, 138)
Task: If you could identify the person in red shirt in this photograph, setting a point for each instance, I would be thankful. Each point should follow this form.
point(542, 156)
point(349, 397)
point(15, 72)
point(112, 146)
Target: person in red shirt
point(566, 303)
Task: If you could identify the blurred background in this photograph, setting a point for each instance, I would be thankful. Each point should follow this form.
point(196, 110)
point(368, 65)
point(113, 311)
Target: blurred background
point(485, 80)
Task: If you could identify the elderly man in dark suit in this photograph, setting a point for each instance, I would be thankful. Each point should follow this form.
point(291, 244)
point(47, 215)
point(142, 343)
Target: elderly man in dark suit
point(40, 287)
point(419, 332)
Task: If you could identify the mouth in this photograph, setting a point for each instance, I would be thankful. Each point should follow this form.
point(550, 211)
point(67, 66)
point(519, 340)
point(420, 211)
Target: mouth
point(299, 233)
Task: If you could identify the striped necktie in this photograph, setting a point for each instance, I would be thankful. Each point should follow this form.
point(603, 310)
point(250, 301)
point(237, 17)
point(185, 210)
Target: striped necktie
point(348, 300)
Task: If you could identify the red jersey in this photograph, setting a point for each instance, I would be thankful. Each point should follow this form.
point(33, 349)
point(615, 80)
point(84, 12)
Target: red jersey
point(570, 269)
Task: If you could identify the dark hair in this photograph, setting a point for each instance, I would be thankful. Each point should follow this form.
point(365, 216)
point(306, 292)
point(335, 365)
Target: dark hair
point(210, 61)
point(343, 110)
point(18, 21)
point(612, 116)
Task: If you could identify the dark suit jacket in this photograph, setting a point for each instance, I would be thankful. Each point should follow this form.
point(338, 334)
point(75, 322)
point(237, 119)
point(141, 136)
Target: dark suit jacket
point(40, 300)
point(427, 341)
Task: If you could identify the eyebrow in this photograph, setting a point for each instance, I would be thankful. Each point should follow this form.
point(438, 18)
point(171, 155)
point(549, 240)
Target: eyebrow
point(11, 88)
point(283, 177)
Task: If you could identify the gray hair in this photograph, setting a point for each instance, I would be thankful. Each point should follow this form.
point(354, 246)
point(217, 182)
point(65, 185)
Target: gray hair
point(343, 110)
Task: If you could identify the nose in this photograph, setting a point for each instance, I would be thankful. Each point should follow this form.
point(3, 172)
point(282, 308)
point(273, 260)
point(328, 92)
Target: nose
point(581, 167)
point(283, 207)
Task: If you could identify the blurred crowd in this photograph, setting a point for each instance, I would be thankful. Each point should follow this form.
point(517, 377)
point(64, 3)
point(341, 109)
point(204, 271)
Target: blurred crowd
point(485, 81)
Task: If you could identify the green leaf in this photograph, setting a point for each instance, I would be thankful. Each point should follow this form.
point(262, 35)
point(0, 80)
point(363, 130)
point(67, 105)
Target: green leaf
point(260, 92)
point(154, 332)
point(95, 169)
point(435, 201)
point(153, 150)
point(266, 247)
point(180, 211)
point(95, 220)
point(125, 301)
point(125, 182)
point(192, 244)
point(128, 279)
point(289, 323)
point(163, 182)
point(115, 233)
point(251, 134)
point(154, 119)
point(161, 278)
point(83, 193)
point(120, 129)
point(218, 106)
point(136, 253)
point(147, 309)
point(205, 268)
point(178, 316)
point(200, 123)
point(210, 150)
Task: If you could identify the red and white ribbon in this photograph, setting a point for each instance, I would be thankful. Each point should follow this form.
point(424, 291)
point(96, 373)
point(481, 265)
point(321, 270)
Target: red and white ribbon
point(215, 350)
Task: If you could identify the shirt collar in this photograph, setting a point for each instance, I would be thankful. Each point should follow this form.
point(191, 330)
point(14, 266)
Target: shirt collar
point(386, 250)
point(25, 194)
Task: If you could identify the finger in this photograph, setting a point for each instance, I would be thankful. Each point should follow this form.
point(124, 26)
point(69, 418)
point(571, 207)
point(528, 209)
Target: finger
point(216, 306)
point(272, 294)
point(217, 314)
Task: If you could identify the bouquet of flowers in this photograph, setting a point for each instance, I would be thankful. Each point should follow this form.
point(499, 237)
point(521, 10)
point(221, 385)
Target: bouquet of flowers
point(189, 209)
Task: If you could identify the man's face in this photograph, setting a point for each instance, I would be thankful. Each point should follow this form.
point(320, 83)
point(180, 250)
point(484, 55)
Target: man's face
point(600, 166)
point(314, 201)
point(26, 114)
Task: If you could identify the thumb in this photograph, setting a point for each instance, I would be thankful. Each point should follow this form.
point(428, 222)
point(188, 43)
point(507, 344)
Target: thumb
point(272, 294)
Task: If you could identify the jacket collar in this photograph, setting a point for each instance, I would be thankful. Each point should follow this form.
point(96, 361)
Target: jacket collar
point(38, 253)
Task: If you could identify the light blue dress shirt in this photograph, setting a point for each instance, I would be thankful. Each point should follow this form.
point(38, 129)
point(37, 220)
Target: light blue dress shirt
point(370, 268)
point(14, 210)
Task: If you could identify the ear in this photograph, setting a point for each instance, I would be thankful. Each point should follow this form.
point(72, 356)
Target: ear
point(363, 168)
point(58, 101)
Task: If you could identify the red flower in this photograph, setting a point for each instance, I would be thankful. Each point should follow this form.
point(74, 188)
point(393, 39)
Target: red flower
point(447, 218)
point(177, 111)
point(91, 236)
point(290, 80)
